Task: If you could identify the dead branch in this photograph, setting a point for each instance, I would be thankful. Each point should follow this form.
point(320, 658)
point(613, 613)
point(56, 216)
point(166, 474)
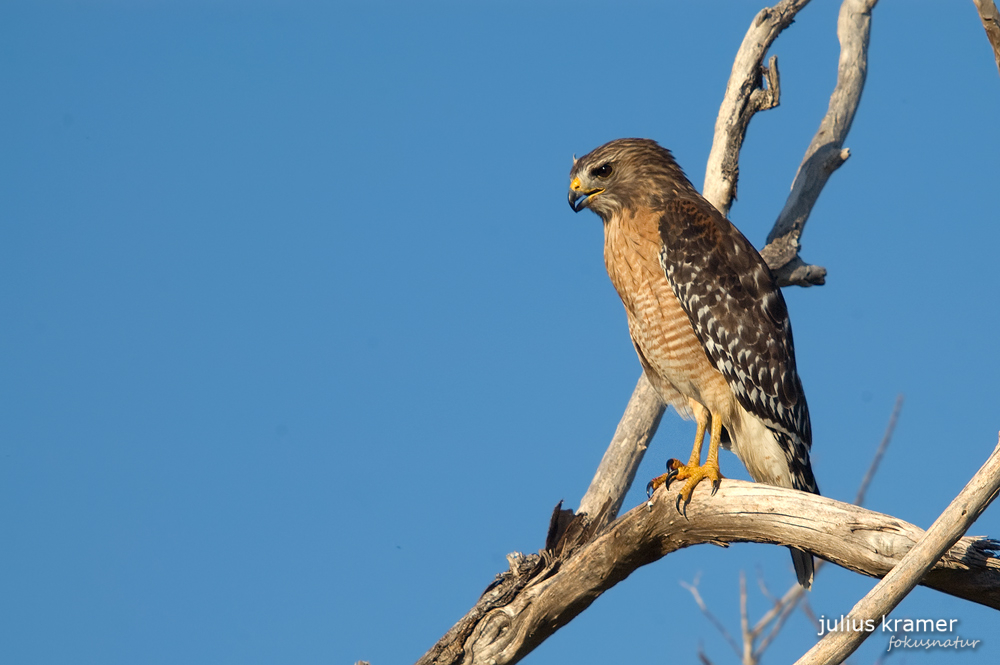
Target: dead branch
point(747, 655)
point(621, 460)
point(859, 498)
point(700, 602)
point(826, 152)
point(491, 631)
point(543, 592)
point(778, 615)
point(744, 97)
point(990, 17)
point(835, 646)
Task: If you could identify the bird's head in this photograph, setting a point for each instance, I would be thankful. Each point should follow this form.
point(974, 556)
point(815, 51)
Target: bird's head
point(621, 175)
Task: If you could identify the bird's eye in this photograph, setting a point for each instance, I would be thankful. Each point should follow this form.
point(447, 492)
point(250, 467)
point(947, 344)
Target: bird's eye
point(602, 171)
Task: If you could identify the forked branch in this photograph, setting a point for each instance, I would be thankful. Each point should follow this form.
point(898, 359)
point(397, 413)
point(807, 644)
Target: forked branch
point(589, 554)
point(543, 592)
point(826, 153)
point(945, 532)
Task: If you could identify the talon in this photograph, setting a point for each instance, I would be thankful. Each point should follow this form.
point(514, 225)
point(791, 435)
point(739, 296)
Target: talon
point(655, 483)
point(673, 466)
point(694, 471)
point(682, 510)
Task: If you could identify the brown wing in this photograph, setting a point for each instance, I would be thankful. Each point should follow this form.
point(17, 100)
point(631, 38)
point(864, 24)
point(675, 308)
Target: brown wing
point(739, 315)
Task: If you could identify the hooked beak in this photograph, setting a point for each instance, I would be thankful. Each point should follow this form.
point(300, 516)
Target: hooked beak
point(578, 197)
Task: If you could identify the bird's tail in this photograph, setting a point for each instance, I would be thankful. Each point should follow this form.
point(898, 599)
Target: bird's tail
point(803, 562)
point(801, 476)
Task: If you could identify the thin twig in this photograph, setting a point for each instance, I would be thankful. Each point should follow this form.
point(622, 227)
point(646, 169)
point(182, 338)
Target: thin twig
point(810, 614)
point(700, 602)
point(785, 612)
point(747, 654)
point(776, 607)
point(763, 586)
point(859, 498)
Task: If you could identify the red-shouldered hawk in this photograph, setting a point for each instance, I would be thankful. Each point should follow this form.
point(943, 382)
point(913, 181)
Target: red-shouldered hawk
point(706, 318)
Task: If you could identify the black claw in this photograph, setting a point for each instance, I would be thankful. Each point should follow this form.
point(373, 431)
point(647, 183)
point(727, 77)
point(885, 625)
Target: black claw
point(649, 490)
point(682, 510)
point(671, 472)
point(715, 485)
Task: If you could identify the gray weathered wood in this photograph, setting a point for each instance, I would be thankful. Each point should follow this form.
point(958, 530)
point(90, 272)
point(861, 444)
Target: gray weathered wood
point(743, 98)
point(826, 152)
point(621, 460)
point(836, 646)
point(542, 593)
point(990, 17)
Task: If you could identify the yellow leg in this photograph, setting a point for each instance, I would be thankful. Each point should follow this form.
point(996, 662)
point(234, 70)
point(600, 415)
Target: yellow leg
point(694, 472)
point(702, 417)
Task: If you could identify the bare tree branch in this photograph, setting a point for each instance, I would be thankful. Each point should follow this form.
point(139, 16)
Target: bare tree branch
point(859, 498)
point(990, 17)
point(748, 638)
point(543, 592)
point(810, 614)
point(826, 152)
point(782, 610)
point(621, 460)
point(693, 589)
point(519, 600)
point(744, 97)
point(834, 647)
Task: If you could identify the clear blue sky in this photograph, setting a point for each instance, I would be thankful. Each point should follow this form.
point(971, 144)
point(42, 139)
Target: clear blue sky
point(300, 337)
